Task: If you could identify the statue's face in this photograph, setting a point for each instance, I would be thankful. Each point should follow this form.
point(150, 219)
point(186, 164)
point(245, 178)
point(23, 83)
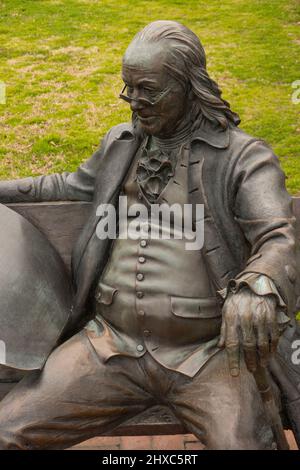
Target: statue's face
point(148, 82)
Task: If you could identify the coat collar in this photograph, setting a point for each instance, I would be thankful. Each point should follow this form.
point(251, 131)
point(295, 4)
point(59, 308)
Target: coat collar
point(210, 133)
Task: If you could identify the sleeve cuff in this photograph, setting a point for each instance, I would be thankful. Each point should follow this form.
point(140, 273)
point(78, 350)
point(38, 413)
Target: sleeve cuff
point(260, 285)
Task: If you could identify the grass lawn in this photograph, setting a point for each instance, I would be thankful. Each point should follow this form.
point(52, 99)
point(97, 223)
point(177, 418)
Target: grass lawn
point(60, 61)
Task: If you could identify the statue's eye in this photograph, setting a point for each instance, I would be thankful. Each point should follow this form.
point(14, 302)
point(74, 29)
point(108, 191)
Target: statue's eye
point(149, 91)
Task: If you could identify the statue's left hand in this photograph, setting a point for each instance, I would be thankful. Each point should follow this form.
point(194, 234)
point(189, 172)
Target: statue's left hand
point(249, 323)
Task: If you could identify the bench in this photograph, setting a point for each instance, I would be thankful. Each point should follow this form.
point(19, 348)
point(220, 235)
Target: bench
point(61, 222)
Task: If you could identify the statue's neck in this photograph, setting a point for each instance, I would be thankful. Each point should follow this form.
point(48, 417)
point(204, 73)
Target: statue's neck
point(175, 141)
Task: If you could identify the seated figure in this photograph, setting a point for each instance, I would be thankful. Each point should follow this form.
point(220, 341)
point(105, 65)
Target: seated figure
point(190, 323)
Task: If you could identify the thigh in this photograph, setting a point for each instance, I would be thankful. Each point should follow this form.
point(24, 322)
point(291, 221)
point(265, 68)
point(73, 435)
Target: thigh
point(224, 412)
point(75, 397)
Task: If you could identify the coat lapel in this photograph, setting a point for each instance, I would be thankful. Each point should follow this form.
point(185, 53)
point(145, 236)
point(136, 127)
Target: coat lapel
point(91, 253)
point(113, 168)
point(216, 253)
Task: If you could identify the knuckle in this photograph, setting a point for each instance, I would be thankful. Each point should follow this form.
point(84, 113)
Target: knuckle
point(232, 346)
point(262, 344)
point(249, 345)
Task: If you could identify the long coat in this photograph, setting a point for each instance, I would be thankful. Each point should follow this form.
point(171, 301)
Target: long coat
point(249, 225)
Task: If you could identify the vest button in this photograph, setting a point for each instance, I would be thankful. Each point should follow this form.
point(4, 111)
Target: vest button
point(140, 276)
point(140, 294)
point(147, 333)
point(141, 313)
point(142, 259)
point(143, 243)
point(140, 347)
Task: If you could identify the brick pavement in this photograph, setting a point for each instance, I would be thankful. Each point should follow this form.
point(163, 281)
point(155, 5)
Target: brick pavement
point(178, 442)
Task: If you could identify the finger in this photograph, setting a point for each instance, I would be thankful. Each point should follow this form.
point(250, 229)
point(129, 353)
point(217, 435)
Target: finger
point(232, 344)
point(221, 342)
point(233, 354)
point(249, 341)
point(250, 356)
point(262, 335)
point(263, 346)
point(274, 336)
point(273, 328)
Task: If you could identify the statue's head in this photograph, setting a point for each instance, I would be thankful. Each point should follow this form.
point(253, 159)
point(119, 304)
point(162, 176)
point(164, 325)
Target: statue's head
point(164, 69)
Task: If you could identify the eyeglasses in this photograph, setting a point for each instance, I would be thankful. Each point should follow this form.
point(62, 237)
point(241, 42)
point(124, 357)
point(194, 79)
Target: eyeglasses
point(144, 101)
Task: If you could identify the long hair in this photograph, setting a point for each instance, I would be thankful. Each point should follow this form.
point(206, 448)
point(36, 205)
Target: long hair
point(186, 62)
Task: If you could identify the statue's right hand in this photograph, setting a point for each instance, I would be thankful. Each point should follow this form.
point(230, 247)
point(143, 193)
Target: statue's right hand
point(249, 324)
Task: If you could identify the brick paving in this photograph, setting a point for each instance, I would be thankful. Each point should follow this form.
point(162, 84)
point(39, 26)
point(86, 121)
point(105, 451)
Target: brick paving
point(178, 442)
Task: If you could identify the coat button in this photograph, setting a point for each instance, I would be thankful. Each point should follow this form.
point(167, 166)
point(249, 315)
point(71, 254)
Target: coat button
point(147, 333)
point(142, 259)
point(141, 313)
point(25, 187)
point(143, 243)
point(140, 294)
point(140, 347)
point(140, 276)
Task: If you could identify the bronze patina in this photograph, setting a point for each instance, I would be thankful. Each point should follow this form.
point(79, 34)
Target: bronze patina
point(201, 331)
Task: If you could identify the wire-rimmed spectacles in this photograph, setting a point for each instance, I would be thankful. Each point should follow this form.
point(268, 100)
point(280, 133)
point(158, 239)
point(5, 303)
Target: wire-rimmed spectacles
point(144, 101)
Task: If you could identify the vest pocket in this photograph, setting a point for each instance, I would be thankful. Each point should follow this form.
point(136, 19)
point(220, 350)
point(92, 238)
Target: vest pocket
point(104, 293)
point(192, 307)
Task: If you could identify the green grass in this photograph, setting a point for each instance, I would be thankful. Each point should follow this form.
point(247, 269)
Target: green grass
point(61, 62)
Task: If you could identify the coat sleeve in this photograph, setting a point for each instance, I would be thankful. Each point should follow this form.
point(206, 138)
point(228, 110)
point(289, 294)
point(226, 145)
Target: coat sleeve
point(263, 209)
point(77, 186)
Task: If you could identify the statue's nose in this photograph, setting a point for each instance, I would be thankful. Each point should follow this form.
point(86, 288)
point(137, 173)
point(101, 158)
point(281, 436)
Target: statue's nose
point(136, 105)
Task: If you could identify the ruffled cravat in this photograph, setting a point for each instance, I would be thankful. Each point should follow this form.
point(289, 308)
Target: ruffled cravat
point(155, 168)
point(157, 162)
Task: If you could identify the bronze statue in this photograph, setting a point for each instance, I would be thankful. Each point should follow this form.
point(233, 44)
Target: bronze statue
point(153, 322)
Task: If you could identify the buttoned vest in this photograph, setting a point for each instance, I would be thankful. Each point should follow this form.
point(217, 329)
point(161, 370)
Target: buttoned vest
point(155, 294)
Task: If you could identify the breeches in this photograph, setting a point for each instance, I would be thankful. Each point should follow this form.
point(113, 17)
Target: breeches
point(77, 396)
